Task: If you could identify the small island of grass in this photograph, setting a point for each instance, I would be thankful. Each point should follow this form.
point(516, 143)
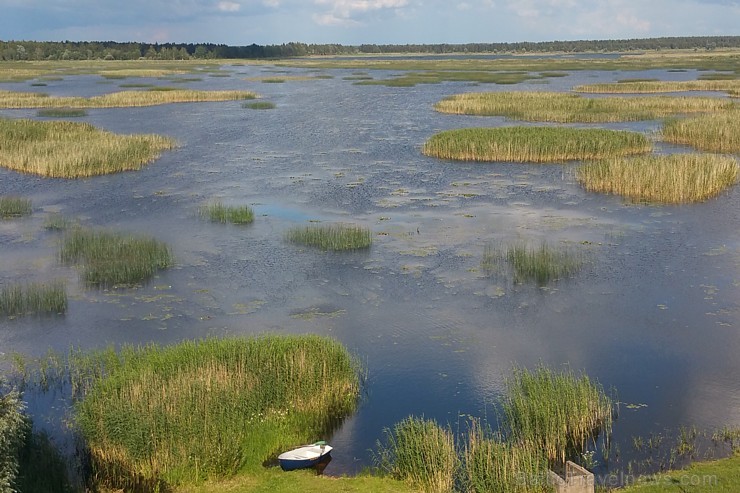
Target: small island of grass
point(534, 144)
point(33, 298)
point(331, 237)
point(220, 213)
point(716, 132)
point(12, 207)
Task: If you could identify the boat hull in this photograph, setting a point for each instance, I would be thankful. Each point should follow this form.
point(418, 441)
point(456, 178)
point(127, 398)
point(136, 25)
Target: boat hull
point(304, 457)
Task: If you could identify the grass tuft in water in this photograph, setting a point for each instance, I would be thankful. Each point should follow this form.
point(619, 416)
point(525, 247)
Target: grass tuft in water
point(531, 264)
point(114, 259)
point(331, 237)
point(57, 222)
point(259, 105)
point(217, 212)
point(717, 132)
point(33, 298)
point(15, 207)
point(420, 452)
point(61, 112)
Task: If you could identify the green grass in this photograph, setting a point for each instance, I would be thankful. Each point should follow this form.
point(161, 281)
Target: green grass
point(12, 432)
point(420, 452)
point(229, 405)
point(33, 298)
point(717, 132)
point(719, 476)
point(114, 259)
point(715, 83)
point(540, 265)
point(331, 237)
point(11, 207)
point(572, 108)
point(217, 212)
point(57, 222)
point(534, 144)
point(557, 412)
point(62, 149)
point(259, 105)
point(61, 112)
point(671, 179)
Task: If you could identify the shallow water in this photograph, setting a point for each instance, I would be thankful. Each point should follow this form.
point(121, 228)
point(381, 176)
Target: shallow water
point(655, 313)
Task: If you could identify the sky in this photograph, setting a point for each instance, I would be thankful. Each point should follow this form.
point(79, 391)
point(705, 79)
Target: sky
point(354, 22)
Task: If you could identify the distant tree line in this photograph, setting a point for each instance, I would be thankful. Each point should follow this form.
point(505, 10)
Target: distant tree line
point(111, 50)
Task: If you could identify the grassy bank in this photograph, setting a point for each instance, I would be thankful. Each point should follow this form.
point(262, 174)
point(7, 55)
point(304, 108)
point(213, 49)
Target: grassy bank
point(61, 149)
point(230, 405)
point(571, 108)
point(33, 298)
point(122, 99)
point(534, 144)
point(720, 476)
point(114, 259)
point(12, 432)
point(11, 207)
point(717, 132)
point(220, 213)
point(672, 179)
point(331, 236)
point(656, 86)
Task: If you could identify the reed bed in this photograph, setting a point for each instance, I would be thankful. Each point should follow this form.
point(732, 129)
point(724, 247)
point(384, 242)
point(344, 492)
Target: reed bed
point(33, 298)
point(717, 132)
point(61, 112)
point(12, 432)
point(57, 222)
point(121, 99)
point(656, 86)
point(557, 412)
point(672, 179)
point(491, 464)
point(573, 108)
point(411, 79)
point(205, 410)
point(259, 105)
point(114, 259)
point(11, 207)
point(62, 149)
point(540, 265)
point(420, 452)
point(534, 144)
point(220, 213)
point(331, 237)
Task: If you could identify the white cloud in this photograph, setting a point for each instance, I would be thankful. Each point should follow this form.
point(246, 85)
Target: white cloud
point(229, 7)
point(342, 12)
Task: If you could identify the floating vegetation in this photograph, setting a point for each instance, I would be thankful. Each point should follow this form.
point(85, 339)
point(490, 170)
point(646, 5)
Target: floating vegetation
point(672, 179)
point(534, 144)
point(33, 298)
point(229, 405)
point(655, 86)
point(259, 105)
point(122, 99)
point(61, 112)
point(11, 207)
point(571, 108)
point(331, 237)
point(62, 149)
point(114, 259)
point(557, 412)
point(716, 132)
point(420, 452)
point(531, 264)
point(217, 212)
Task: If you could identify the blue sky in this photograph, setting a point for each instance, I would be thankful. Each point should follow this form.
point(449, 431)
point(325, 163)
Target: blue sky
point(352, 22)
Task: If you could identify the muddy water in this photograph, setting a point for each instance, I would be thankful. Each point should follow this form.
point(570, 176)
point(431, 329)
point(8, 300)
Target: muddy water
point(655, 312)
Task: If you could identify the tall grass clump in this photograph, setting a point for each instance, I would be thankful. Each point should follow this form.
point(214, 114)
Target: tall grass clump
point(492, 464)
point(259, 105)
point(12, 433)
point(57, 222)
point(534, 144)
point(220, 213)
point(656, 86)
point(205, 410)
point(62, 149)
point(572, 108)
point(717, 132)
point(30, 298)
point(61, 112)
point(114, 259)
point(420, 452)
point(331, 237)
point(14, 207)
point(540, 264)
point(557, 412)
point(671, 179)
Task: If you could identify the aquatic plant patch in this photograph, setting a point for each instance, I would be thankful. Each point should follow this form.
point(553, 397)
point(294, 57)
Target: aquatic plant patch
point(11, 207)
point(655, 86)
point(534, 144)
point(672, 179)
point(62, 149)
point(572, 108)
point(61, 112)
point(259, 105)
point(716, 132)
point(220, 213)
point(33, 298)
point(539, 264)
point(331, 236)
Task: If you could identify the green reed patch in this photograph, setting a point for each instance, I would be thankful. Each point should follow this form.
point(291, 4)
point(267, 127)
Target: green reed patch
point(220, 213)
point(61, 112)
point(672, 179)
point(714, 83)
point(420, 452)
point(716, 132)
point(540, 265)
point(33, 298)
point(572, 108)
point(229, 405)
point(114, 259)
point(11, 207)
point(57, 222)
point(411, 79)
point(62, 149)
point(331, 237)
point(557, 412)
point(534, 144)
point(259, 105)
point(12, 431)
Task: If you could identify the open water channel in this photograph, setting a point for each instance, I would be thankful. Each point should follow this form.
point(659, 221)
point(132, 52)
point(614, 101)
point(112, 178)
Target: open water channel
point(654, 313)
